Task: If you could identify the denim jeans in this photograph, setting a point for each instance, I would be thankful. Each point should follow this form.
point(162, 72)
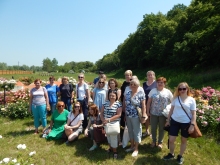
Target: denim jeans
point(84, 104)
point(67, 102)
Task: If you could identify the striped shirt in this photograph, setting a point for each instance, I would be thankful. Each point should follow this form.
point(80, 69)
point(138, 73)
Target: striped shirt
point(111, 111)
point(38, 96)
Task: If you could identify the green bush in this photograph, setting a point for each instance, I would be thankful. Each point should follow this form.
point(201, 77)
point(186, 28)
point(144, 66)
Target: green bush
point(18, 110)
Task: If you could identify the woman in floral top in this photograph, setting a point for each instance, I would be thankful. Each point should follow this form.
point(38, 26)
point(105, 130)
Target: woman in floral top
point(158, 99)
point(132, 99)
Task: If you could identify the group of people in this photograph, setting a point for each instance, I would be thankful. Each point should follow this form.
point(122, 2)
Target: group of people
point(113, 107)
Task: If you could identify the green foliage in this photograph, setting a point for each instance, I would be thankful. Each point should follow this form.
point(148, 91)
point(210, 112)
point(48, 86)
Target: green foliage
point(18, 110)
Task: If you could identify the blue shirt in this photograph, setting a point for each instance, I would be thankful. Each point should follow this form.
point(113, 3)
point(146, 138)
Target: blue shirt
point(52, 93)
point(95, 80)
point(147, 88)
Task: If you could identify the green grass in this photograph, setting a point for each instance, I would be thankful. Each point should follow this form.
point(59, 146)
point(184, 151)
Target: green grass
point(204, 150)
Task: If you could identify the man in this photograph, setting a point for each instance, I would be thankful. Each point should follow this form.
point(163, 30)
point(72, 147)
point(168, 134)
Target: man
point(97, 78)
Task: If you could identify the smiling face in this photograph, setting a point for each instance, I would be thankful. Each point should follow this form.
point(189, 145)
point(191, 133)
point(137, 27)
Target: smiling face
point(150, 76)
point(113, 96)
point(182, 89)
point(37, 84)
point(101, 83)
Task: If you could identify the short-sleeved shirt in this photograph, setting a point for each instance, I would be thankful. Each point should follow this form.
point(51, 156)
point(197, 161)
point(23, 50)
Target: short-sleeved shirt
point(178, 113)
point(129, 89)
point(160, 99)
point(81, 91)
point(52, 93)
point(147, 88)
point(131, 103)
point(111, 111)
point(38, 96)
point(66, 90)
point(76, 120)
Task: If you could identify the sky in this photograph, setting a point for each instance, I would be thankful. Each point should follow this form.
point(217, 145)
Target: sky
point(70, 30)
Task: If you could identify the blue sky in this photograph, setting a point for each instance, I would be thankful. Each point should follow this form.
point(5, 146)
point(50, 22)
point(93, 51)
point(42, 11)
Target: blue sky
point(69, 30)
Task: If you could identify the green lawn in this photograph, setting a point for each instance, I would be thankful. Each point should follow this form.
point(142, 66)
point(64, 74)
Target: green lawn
point(204, 150)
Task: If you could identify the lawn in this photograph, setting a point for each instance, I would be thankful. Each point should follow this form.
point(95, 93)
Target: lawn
point(204, 150)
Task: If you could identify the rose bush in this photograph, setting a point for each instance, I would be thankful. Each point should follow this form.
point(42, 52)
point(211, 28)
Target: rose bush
point(208, 109)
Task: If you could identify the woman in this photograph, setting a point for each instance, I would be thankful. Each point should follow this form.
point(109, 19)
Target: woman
point(83, 94)
point(178, 119)
point(132, 99)
point(94, 122)
point(39, 104)
point(148, 86)
point(74, 123)
point(111, 113)
point(128, 75)
point(58, 120)
point(103, 76)
point(113, 86)
point(158, 99)
point(52, 91)
point(99, 94)
point(66, 93)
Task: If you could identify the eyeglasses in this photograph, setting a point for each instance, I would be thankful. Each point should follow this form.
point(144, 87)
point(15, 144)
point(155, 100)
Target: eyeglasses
point(80, 77)
point(76, 106)
point(180, 89)
point(100, 82)
point(60, 106)
point(159, 82)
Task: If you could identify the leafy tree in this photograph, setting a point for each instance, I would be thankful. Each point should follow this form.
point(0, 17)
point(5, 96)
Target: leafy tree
point(47, 65)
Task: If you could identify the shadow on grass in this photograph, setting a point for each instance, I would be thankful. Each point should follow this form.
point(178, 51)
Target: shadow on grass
point(153, 160)
point(19, 133)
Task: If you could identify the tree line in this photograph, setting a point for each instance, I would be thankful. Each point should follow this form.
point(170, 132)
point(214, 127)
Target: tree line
point(185, 37)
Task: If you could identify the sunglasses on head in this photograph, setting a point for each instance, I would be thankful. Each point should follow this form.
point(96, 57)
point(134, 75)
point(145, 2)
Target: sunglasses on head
point(80, 77)
point(100, 82)
point(180, 89)
point(60, 106)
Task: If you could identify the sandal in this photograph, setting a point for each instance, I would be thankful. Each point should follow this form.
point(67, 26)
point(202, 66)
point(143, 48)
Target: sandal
point(115, 155)
point(153, 145)
point(160, 146)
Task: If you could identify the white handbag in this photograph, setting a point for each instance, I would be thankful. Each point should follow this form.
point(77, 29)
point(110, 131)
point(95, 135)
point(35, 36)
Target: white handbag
point(112, 128)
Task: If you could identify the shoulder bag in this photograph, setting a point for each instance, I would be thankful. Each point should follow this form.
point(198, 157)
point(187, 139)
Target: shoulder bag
point(99, 133)
point(140, 114)
point(196, 133)
point(68, 132)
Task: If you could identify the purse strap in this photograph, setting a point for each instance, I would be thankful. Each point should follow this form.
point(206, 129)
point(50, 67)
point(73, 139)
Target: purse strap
point(73, 119)
point(183, 108)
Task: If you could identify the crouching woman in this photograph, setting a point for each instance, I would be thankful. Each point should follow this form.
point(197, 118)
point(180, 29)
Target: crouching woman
point(74, 123)
point(110, 115)
point(95, 122)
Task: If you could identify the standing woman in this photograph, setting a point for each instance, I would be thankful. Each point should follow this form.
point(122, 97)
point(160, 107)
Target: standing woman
point(148, 86)
point(58, 120)
point(178, 120)
point(52, 91)
point(83, 94)
point(113, 86)
point(73, 126)
point(99, 94)
point(66, 93)
point(39, 104)
point(134, 98)
point(128, 75)
point(111, 113)
point(158, 99)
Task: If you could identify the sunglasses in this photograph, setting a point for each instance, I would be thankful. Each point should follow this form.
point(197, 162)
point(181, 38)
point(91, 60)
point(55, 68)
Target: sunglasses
point(60, 106)
point(80, 77)
point(100, 82)
point(160, 82)
point(132, 84)
point(76, 106)
point(180, 89)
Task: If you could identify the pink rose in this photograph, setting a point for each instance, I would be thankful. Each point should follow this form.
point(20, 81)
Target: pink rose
point(205, 123)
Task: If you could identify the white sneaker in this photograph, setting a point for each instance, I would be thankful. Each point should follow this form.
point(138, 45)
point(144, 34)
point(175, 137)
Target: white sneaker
point(134, 154)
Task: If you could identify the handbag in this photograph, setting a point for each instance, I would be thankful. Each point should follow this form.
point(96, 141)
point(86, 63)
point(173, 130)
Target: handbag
point(166, 110)
point(196, 133)
point(99, 134)
point(112, 128)
point(126, 137)
point(140, 115)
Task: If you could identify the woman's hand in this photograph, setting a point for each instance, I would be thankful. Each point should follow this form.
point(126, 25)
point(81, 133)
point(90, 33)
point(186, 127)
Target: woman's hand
point(191, 129)
point(48, 108)
point(94, 126)
point(148, 114)
point(86, 132)
point(167, 123)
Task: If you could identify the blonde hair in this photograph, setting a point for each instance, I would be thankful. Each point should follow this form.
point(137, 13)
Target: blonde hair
point(152, 72)
point(128, 72)
point(176, 93)
point(135, 81)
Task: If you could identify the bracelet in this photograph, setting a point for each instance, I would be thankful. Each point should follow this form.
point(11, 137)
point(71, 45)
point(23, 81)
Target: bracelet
point(192, 124)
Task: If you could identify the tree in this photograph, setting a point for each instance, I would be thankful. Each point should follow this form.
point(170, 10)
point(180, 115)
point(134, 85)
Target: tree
point(47, 65)
point(54, 64)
